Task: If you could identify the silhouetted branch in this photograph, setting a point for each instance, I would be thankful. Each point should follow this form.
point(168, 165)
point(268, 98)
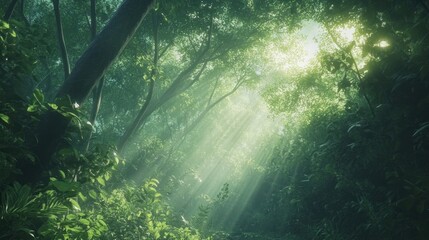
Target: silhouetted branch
point(61, 41)
point(9, 11)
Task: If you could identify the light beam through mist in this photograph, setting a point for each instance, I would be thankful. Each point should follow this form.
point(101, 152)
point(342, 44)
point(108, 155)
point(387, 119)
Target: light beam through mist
point(231, 146)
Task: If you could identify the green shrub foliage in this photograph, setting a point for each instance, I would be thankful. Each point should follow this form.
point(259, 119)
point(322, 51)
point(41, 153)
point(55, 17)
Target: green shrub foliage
point(350, 159)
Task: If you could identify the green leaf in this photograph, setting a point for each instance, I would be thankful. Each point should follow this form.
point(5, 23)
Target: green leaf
point(75, 204)
point(62, 174)
point(27, 231)
point(107, 176)
point(53, 106)
point(90, 234)
point(100, 180)
point(92, 194)
point(4, 25)
point(76, 229)
point(32, 108)
point(63, 186)
point(71, 217)
point(31, 157)
point(38, 95)
point(4, 118)
point(82, 197)
point(84, 221)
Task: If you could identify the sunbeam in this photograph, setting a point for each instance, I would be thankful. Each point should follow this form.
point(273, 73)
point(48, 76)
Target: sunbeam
point(232, 147)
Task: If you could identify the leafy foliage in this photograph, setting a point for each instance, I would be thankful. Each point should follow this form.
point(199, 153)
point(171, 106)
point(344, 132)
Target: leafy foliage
point(138, 212)
point(350, 160)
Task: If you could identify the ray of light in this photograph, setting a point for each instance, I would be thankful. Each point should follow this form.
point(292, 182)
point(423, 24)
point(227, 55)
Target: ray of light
point(230, 148)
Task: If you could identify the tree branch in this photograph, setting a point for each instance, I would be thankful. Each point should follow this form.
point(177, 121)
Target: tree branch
point(61, 42)
point(8, 14)
point(208, 108)
point(91, 66)
point(97, 92)
point(161, 54)
point(137, 121)
point(212, 93)
point(177, 87)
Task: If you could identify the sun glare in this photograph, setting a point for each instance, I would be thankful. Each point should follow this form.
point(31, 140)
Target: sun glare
point(347, 33)
point(297, 51)
point(383, 44)
point(310, 49)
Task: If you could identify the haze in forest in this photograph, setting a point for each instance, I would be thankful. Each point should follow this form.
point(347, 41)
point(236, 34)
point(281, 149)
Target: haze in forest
point(220, 120)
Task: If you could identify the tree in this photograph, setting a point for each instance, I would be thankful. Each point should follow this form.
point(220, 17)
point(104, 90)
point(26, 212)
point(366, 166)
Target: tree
point(252, 129)
point(87, 72)
point(220, 41)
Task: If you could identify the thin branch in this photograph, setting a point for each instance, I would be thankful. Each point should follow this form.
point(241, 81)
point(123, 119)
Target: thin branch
point(137, 121)
point(178, 85)
point(161, 54)
point(93, 19)
point(9, 11)
point(61, 42)
point(97, 92)
point(203, 114)
point(212, 93)
point(134, 126)
point(197, 77)
point(191, 42)
point(203, 51)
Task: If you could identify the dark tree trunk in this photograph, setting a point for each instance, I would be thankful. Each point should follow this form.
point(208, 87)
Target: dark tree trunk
point(88, 70)
point(61, 41)
point(104, 49)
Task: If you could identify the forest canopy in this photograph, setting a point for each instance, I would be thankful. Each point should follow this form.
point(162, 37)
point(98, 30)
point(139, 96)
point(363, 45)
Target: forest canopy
point(208, 119)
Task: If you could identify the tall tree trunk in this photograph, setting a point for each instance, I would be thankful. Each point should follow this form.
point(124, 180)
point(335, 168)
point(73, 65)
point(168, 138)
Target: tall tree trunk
point(61, 41)
point(88, 70)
